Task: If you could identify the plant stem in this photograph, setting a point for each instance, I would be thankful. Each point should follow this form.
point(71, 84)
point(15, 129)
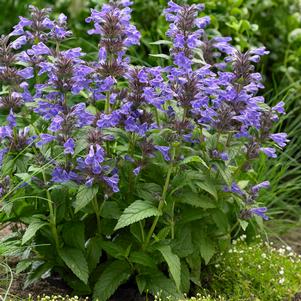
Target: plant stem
point(52, 213)
point(173, 221)
point(142, 230)
point(52, 216)
point(107, 103)
point(97, 213)
point(163, 198)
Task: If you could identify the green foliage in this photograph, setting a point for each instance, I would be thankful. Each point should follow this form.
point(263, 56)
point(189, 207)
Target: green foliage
point(257, 271)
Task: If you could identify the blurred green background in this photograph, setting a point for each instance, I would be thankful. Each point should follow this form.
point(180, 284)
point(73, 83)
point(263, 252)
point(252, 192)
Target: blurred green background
point(275, 24)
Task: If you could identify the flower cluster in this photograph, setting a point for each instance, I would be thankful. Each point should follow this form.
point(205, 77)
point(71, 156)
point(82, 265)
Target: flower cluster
point(103, 140)
point(211, 88)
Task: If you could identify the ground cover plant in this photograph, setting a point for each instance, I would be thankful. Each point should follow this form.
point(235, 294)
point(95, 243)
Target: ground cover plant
point(121, 173)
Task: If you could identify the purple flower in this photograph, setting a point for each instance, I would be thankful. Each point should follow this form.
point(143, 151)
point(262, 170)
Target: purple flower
point(164, 150)
point(234, 188)
point(69, 146)
point(280, 139)
point(11, 119)
point(202, 22)
point(224, 156)
point(5, 132)
point(260, 211)
point(255, 189)
point(137, 170)
point(56, 124)
point(19, 42)
point(39, 49)
point(279, 107)
point(3, 151)
point(269, 151)
point(95, 158)
point(113, 182)
point(45, 139)
point(26, 73)
point(182, 61)
point(60, 175)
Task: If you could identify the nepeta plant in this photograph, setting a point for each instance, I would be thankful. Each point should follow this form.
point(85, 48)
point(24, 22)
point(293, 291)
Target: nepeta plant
point(129, 173)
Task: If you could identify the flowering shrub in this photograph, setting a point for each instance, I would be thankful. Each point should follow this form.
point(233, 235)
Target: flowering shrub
point(129, 173)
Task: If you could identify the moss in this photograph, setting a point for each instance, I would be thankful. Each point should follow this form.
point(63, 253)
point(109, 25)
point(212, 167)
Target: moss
point(257, 272)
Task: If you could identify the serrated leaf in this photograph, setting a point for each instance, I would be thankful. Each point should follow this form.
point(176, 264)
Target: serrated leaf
point(173, 262)
point(113, 249)
point(137, 211)
point(142, 258)
point(112, 277)
point(207, 247)
point(84, 196)
point(195, 199)
point(76, 262)
point(93, 252)
point(209, 187)
point(182, 243)
point(32, 230)
point(148, 191)
point(156, 282)
point(75, 241)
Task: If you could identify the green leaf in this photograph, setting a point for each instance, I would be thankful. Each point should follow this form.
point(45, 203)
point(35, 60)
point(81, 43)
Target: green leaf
point(112, 277)
point(142, 258)
point(208, 186)
point(185, 277)
point(76, 262)
point(71, 239)
point(224, 172)
point(243, 224)
point(182, 243)
point(23, 266)
point(84, 196)
point(141, 283)
point(32, 230)
point(207, 247)
point(25, 177)
point(173, 262)
point(195, 199)
point(113, 249)
point(161, 42)
point(137, 211)
point(148, 191)
point(220, 219)
point(37, 273)
point(110, 210)
point(156, 282)
point(194, 159)
point(93, 252)
point(161, 55)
